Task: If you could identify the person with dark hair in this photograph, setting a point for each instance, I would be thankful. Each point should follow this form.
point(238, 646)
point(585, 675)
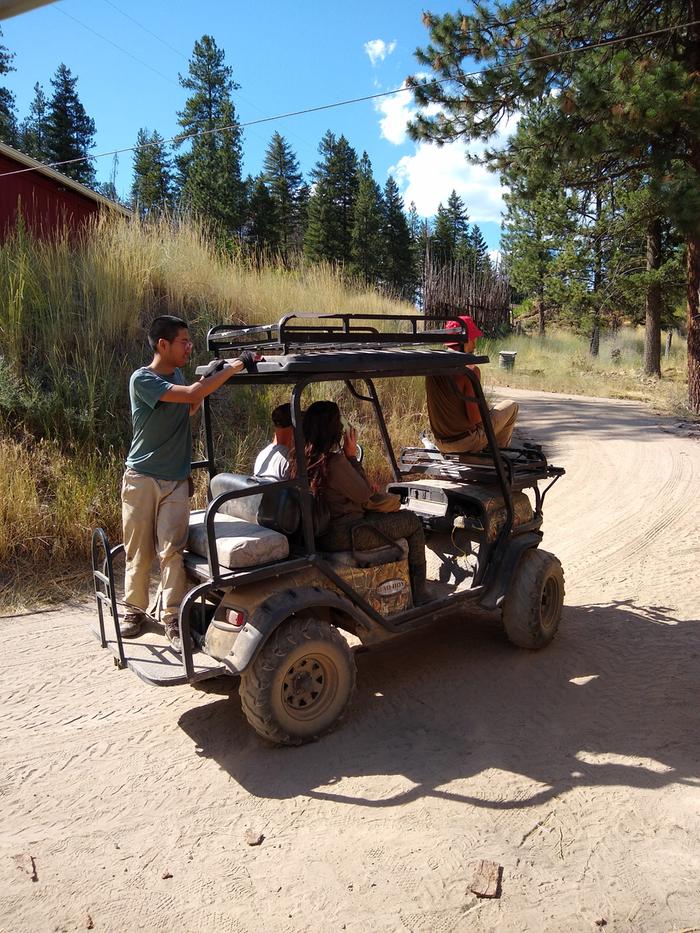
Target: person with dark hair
point(272, 463)
point(336, 475)
point(455, 422)
point(155, 488)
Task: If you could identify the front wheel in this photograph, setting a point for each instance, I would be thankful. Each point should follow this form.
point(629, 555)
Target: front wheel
point(532, 608)
point(299, 685)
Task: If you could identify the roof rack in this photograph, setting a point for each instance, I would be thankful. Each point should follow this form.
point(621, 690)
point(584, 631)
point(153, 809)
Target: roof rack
point(308, 332)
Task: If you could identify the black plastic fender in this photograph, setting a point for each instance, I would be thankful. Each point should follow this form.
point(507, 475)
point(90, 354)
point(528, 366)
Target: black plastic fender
point(279, 607)
point(496, 592)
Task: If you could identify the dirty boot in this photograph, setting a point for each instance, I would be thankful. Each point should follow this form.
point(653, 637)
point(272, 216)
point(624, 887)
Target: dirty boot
point(132, 623)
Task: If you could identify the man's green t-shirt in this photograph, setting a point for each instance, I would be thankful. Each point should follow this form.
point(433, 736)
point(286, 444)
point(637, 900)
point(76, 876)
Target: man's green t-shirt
point(162, 443)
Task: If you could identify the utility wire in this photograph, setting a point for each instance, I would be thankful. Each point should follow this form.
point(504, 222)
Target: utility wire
point(184, 57)
point(352, 100)
point(146, 29)
point(99, 35)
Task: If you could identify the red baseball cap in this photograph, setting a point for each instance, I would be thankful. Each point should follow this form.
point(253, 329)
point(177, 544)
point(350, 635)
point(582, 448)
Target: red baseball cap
point(473, 330)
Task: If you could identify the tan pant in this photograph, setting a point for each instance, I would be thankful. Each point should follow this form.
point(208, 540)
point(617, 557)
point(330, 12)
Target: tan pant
point(155, 518)
point(503, 416)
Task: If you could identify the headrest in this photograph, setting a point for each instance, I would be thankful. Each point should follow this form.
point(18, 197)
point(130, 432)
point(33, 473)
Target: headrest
point(275, 508)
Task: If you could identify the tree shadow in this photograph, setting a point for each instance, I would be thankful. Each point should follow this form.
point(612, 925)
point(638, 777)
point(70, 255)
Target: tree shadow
point(611, 702)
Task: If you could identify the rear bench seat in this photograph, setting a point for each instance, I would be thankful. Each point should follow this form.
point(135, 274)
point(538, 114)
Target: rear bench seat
point(250, 531)
point(255, 529)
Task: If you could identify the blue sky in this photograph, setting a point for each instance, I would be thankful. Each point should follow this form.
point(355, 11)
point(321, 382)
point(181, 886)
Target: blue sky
point(285, 55)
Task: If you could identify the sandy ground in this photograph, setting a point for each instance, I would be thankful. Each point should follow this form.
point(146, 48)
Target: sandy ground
point(576, 768)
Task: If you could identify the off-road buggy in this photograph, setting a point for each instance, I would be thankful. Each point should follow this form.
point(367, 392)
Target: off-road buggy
point(267, 606)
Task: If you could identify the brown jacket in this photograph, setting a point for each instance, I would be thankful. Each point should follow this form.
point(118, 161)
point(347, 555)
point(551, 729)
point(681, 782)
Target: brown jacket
point(346, 489)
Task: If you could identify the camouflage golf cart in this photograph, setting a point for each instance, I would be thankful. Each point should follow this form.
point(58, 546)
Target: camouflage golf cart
point(267, 606)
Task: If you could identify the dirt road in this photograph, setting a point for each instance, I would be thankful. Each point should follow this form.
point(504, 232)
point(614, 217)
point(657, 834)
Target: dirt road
point(577, 768)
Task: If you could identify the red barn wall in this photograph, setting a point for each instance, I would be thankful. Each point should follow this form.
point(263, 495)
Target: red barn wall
point(46, 205)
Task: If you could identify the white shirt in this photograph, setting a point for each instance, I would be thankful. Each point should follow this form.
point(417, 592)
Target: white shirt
point(272, 462)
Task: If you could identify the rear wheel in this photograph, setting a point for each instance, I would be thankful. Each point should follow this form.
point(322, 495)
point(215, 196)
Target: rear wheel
point(532, 608)
point(299, 685)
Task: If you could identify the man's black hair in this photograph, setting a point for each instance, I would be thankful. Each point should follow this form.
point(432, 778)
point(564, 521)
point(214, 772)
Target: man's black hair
point(282, 416)
point(165, 327)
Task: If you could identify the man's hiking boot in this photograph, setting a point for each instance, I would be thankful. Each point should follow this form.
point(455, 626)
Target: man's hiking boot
point(172, 633)
point(132, 623)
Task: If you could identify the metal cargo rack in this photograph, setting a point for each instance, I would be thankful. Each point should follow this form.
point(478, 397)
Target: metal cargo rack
point(298, 332)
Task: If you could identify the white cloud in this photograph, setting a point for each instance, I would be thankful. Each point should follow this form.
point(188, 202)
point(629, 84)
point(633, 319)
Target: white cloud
point(430, 174)
point(396, 111)
point(378, 49)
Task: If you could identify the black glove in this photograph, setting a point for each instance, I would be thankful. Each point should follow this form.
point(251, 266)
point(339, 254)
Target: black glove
point(249, 361)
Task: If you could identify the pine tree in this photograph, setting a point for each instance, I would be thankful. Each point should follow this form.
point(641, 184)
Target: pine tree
point(634, 104)
point(284, 183)
point(32, 134)
point(152, 187)
point(70, 132)
point(331, 206)
point(210, 171)
point(449, 241)
point(477, 247)
point(367, 244)
point(399, 269)
point(262, 226)
point(420, 231)
point(8, 115)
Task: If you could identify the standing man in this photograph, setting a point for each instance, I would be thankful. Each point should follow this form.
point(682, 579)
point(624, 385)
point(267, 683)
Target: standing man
point(155, 488)
point(456, 423)
point(272, 462)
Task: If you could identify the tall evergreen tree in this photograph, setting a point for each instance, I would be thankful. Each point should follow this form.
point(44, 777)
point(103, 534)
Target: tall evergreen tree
point(33, 129)
point(399, 268)
point(152, 187)
point(476, 245)
point(262, 225)
point(70, 132)
point(8, 114)
point(367, 243)
point(210, 170)
point(449, 241)
point(284, 183)
point(634, 103)
point(331, 206)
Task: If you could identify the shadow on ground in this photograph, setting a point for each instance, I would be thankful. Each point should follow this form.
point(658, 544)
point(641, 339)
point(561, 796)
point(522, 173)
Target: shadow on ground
point(619, 682)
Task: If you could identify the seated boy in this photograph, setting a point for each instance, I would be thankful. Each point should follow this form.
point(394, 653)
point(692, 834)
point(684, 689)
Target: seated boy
point(456, 423)
point(272, 463)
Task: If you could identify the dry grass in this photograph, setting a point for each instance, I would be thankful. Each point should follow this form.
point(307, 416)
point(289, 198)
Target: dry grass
point(561, 362)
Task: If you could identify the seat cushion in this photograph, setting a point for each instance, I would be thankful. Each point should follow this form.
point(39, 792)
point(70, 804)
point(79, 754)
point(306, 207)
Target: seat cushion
point(238, 543)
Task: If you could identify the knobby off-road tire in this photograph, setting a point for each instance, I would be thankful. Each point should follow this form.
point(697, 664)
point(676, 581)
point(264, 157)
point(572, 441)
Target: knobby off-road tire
point(300, 684)
point(532, 608)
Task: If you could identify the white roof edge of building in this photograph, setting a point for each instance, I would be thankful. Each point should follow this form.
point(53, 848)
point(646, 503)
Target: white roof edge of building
point(51, 173)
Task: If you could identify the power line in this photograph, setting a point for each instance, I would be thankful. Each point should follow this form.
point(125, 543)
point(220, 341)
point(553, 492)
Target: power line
point(146, 29)
point(352, 100)
point(99, 35)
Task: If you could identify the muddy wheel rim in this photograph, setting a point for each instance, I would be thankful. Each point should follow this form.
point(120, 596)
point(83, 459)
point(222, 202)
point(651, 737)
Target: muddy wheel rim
point(549, 604)
point(309, 686)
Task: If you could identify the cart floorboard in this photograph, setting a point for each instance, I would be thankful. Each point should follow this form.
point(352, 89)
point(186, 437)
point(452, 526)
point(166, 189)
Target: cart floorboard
point(151, 657)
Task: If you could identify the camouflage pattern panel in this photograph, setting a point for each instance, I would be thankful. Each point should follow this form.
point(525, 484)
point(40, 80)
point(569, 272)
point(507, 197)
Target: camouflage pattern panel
point(386, 587)
point(494, 511)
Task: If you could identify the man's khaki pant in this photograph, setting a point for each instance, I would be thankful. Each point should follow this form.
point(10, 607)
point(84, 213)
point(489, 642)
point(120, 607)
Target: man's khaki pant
point(503, 416)
point(155, 517)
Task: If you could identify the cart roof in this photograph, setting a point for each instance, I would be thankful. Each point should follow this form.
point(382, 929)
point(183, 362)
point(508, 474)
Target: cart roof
point(343, 346)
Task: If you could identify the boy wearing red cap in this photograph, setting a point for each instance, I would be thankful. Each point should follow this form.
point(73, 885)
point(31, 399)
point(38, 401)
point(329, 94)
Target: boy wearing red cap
point(456, 423)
